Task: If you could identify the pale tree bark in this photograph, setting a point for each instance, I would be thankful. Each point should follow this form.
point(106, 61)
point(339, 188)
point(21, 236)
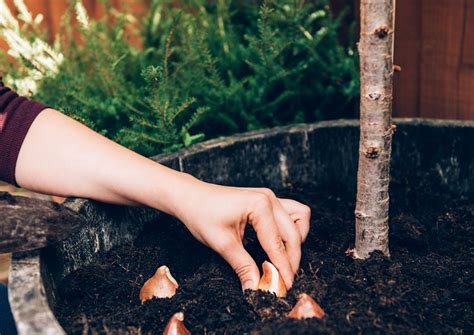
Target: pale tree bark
point(376, 74)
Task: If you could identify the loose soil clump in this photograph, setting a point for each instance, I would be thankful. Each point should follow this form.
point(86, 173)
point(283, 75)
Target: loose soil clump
point(426, 286)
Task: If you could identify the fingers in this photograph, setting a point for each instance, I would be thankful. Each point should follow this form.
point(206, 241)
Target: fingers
point(290, 235)
point(242, 263)
point(299, 213)
point(263, 221)
point(292, 229)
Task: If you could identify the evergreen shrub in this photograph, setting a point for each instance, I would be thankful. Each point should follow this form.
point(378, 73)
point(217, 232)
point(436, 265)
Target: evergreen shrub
point(220, 67)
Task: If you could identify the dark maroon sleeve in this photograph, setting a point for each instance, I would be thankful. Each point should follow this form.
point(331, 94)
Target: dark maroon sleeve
point(16, 116)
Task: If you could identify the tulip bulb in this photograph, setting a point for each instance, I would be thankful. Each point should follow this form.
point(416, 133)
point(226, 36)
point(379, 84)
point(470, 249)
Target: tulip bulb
point(176, 325)
point(271, 280)
point(161, 285)
point(306, 307)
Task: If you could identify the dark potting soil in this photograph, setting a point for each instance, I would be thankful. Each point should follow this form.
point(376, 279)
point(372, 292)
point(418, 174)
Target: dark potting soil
point(427, 286)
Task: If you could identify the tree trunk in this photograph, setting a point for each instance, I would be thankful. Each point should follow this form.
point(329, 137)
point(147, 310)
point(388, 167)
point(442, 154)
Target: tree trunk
point(27, 224)
point(376, 129)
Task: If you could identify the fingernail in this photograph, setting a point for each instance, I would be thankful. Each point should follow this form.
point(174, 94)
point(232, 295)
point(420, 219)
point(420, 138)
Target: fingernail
point(248, 285)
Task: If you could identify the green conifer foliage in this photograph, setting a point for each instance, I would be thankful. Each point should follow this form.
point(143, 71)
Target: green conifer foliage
point(261, 65)
point(205, 67)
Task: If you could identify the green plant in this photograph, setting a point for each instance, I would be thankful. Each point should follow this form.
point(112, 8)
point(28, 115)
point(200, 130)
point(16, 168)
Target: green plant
point(220, 67)
point(104, 81)
point(260, 64)
point(160, 128)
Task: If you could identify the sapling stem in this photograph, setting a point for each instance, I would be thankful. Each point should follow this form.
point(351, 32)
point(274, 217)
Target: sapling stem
point(376, 129)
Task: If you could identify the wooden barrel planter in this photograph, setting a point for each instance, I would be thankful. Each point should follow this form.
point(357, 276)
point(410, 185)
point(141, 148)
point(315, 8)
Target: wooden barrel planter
point(323, 155)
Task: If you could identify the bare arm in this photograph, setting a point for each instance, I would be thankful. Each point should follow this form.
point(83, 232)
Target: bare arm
point(62, 157)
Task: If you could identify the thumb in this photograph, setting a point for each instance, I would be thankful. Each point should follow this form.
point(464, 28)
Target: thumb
point(244, 266)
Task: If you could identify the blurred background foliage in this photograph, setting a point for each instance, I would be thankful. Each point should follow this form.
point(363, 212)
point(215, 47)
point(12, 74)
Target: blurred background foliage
point(203, 68)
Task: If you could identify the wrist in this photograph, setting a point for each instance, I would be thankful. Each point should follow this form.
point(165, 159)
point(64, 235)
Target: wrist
point(174, 192)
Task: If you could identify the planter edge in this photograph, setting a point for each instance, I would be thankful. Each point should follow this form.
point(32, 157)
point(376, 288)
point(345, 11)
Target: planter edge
point(26, 282)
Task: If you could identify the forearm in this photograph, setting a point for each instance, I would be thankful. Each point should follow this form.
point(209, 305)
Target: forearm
point(62, 157)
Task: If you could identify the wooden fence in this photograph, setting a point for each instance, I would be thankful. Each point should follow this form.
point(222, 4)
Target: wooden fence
point(434, 44)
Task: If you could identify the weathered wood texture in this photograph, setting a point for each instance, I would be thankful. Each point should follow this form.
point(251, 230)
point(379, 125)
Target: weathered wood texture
point(434, 44)
point(31, 293)
point(27, 224)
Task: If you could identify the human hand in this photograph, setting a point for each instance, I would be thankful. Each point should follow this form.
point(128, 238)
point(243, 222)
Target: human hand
point(217, 216)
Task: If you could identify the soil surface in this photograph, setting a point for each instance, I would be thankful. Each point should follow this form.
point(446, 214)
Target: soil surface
point(426, 286)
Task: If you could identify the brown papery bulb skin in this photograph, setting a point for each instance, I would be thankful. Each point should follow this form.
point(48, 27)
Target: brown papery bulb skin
point(176, 326)
point(161, 285)
point(306, 307)
point(272, 281)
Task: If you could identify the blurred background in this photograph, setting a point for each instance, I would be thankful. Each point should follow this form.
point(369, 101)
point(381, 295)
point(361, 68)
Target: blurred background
point(434, 44)
point(156, 76)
